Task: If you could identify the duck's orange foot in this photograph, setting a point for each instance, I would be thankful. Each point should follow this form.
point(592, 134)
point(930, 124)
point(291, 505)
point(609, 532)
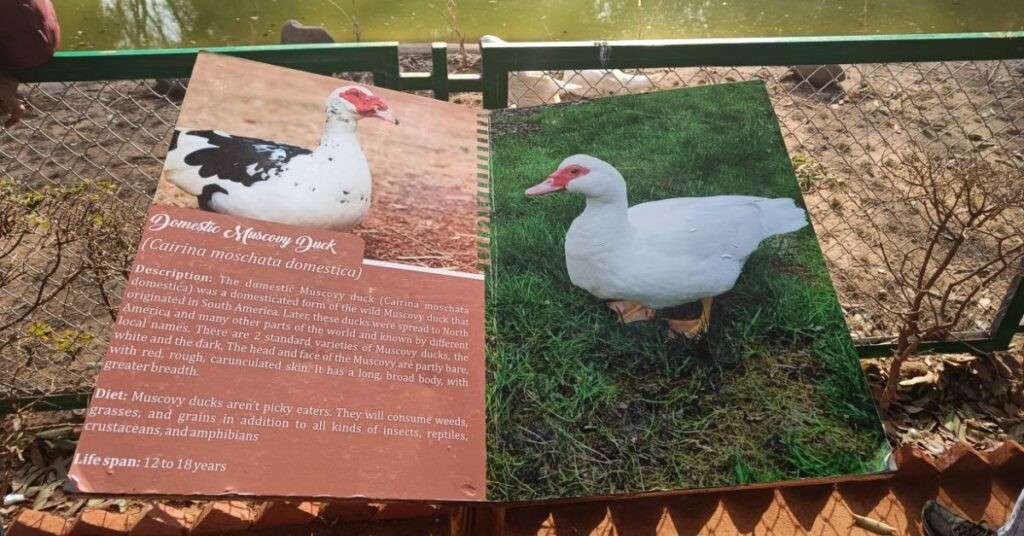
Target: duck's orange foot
point(691, 328)
point(631, 311)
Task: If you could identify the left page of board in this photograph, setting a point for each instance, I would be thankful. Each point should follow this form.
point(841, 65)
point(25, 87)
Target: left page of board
point(304, 316)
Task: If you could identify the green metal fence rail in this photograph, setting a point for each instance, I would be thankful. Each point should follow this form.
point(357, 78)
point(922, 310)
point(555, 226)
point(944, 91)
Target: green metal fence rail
point(380, 59)
point(501, 61)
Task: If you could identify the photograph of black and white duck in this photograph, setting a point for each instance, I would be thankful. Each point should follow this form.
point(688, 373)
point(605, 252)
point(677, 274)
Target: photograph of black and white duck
point(328, 186)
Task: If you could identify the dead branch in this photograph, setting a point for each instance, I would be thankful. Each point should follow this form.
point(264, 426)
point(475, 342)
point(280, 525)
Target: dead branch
point(966, 208)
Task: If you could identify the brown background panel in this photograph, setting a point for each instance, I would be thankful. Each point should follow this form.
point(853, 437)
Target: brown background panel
point(291, 462)
point(424, 205)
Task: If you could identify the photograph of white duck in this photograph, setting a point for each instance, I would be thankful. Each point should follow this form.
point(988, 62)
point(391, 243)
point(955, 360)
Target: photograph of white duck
point(329, 186)
point(660, 206)
point(664, 253)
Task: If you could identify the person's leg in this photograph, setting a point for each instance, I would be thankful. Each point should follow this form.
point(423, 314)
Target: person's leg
point(9, 103)
point(937, 520)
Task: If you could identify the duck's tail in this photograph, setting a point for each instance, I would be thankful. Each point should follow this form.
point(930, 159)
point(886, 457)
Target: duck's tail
point(176, 170)
point(780, 216)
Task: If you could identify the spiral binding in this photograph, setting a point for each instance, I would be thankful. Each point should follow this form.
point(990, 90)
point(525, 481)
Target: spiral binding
point(483, 183)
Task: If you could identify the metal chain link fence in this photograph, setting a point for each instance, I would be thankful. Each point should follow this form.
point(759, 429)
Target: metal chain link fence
point(77, 175)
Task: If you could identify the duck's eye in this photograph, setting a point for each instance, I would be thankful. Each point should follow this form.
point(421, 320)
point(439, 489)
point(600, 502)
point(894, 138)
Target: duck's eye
point(575, 171)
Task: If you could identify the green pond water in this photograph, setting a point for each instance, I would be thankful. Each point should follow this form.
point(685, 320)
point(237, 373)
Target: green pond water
point(112, 24)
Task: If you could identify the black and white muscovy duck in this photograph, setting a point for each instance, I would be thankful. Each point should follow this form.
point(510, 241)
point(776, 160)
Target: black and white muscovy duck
point(328, 187)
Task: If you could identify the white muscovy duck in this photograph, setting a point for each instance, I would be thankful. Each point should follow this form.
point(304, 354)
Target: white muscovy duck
point(662, 253)
point(598, 83)
point(328, 187)
point(533, 88)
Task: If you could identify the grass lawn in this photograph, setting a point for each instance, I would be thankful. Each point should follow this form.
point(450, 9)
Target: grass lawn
point(578, 404)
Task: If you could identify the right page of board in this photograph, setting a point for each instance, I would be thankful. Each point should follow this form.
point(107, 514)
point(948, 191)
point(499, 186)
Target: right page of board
point(659, 312)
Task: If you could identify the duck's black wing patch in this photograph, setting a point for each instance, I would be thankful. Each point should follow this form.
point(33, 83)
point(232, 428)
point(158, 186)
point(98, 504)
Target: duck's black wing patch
point(174, 141)
point(206, 196)
point(240, 159)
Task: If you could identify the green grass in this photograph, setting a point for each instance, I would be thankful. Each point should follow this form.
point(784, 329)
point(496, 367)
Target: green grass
point(578, 404)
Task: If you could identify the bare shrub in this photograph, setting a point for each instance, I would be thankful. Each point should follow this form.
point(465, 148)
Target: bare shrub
point(452, 12)
point(65, 252)
point(966, 213)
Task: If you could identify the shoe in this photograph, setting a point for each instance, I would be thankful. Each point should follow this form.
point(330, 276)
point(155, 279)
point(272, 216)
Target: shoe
point(941, 521)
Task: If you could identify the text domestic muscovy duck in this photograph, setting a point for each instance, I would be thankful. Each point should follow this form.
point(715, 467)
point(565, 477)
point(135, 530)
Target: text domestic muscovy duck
point(663, 253)
point(328, 187)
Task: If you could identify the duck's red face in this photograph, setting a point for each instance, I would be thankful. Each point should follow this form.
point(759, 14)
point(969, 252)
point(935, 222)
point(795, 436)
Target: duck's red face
point(559, 179)
point(368, 104)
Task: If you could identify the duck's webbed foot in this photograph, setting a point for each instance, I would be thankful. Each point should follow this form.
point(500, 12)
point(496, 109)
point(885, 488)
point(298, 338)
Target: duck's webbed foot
point(628, 311)
point(692, 328)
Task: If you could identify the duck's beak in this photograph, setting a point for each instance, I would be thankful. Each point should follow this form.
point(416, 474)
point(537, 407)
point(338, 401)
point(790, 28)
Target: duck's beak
point(385, 115)
point(545, 187)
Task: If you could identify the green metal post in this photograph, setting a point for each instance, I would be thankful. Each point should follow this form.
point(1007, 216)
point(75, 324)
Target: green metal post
point(494, 75)
point(387, 73)
point(439, 70)
point(1008, 321)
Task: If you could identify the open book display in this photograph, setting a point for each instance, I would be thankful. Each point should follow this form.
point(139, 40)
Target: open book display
point(307, 315)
